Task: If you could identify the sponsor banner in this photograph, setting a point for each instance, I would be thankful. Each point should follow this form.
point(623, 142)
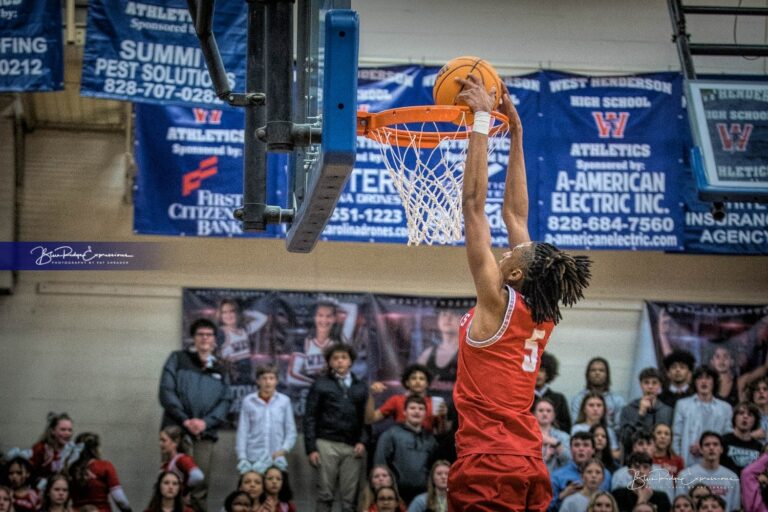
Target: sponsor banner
point(291, 330)
point(190, 172)
point(370, 208)
point(730, 338)
point(613, 162)
point(31, 46)
point(148, 52)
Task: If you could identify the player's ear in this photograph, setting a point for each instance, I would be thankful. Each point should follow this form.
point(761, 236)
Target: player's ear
point(515, 276)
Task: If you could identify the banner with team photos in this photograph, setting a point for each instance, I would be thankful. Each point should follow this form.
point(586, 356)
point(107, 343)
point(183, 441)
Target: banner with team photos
point(292, 329)
point(730, 338)
point(31, 46)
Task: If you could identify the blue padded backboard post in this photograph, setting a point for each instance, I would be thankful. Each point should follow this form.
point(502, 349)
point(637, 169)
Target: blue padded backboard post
point(329, 174)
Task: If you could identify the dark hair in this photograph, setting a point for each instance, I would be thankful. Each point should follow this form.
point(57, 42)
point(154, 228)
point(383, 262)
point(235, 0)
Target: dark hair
point(752, 388)
point(605, 454)
point(582, 417)
point(552, 277)
point(285, 494)
point(231, 497)
point(177, 435)
point(709, 433)
point(696, 486)
point(52, 421)
point(25, 465)
point(414, 399)
point(751, 409)
point(641, 435)
point(156, 502)
point(584, 436)
point(202, 323)
point(78, 471)
point(711, 497)
point(49, 485)
point(340, 347)
point(679, 356)
point(706, 370)
point(413, 368)
point(550, 365)
point(635, 459)
point(240, 479)
point(326, 302)
point(607, 371)
point(262, 370)
point(650, 373)
point(391, 488)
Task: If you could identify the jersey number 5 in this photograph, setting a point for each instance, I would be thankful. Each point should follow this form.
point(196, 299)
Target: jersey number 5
point(532, 345)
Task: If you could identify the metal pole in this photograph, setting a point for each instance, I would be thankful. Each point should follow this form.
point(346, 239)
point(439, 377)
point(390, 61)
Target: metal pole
point(279, 52)
point(255, 151)
point(680, 37)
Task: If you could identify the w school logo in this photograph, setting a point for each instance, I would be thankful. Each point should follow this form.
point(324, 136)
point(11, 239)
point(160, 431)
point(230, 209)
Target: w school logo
point(203, 115)
point(191, 181)
point(611, 124)
point(734, 137)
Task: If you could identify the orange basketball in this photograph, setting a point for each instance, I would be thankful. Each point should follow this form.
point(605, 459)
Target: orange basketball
point(447, 88)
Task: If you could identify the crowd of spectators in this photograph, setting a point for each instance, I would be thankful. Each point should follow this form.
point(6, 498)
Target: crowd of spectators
point(690, 442)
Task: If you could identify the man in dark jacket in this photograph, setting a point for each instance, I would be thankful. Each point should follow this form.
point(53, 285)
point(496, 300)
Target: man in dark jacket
point(195, 395)
point(408, 450)
point(645, 412)
point(334, 434)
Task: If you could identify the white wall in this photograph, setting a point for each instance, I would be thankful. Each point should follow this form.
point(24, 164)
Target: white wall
point(93, 343)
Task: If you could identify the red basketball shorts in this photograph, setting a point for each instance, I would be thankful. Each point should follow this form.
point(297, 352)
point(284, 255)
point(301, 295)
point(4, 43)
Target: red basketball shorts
point(498, 483)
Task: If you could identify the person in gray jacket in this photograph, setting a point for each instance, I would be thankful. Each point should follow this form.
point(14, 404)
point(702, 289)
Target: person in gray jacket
point(647, 411)
point(408, 450)
point(195, 395)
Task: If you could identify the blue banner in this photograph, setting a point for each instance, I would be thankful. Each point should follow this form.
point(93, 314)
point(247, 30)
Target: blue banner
point(31, 46)
point(370, 208)
point(190, 172)
point(147, 52)
point(612, 162)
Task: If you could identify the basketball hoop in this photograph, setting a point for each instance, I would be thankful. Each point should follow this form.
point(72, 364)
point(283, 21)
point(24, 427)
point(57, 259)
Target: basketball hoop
point(424, 149)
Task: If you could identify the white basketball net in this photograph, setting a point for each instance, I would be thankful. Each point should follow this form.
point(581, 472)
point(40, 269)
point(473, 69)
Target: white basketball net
point(429, 181)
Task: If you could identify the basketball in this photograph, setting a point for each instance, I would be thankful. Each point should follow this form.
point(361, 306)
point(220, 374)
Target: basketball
point(447, 88)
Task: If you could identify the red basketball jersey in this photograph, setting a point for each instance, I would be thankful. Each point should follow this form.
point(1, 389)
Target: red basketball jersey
point(495, 384)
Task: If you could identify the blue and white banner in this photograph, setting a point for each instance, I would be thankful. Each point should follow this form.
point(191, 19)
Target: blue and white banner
point(606, 162)
point(190, 172)
point(148, 52)
point(31, 46)
point(613, 162)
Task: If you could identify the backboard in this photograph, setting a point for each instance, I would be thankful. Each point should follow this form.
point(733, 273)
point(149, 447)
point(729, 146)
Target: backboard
point(729, 122)
point(325, 97)
point(303, 103)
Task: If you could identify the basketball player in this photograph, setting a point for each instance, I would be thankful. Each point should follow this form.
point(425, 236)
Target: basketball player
point(499, 465)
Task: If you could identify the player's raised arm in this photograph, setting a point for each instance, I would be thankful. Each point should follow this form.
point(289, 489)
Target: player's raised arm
point(515, 210)
point(485, 271)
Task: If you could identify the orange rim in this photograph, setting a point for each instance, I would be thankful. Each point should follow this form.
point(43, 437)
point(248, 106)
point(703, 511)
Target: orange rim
point(380, 126)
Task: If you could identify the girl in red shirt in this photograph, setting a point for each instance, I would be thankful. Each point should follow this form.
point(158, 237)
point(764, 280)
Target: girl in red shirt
point(47, 453)
point(94, 480)
point(19, 474)
point(664, 455)
point(174, 452)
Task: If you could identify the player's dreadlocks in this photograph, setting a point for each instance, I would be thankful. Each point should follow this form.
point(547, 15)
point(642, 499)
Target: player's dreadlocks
point(552, 277)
